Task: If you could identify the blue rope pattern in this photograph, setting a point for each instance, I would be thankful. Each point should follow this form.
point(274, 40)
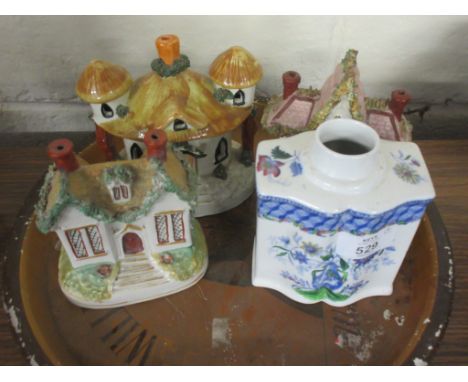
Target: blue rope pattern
point(354, 222)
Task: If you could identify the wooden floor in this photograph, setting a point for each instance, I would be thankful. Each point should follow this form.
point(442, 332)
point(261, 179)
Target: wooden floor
point(23, 161)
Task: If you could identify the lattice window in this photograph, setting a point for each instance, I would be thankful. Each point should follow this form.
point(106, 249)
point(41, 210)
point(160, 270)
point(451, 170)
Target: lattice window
point(161, 229)
point(116, 191)
point(178, 226)
point(95, 239)
point(124, 190)
point(77, 243)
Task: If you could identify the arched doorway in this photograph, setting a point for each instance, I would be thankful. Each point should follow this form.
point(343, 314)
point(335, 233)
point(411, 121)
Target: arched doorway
point(132, 243)
point(221, 152)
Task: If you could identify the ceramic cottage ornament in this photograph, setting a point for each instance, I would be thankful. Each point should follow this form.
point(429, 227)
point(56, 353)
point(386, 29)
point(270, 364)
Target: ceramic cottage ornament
point(198, 117)
point(341, 96)
point(337, 210)
point(105, 87)
point(126, 227)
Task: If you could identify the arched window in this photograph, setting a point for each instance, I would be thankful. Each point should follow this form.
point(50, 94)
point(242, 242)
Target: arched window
point(239, 98)
point(221, 152)
point(106, 111)
point(135, 151)
point(179, 125)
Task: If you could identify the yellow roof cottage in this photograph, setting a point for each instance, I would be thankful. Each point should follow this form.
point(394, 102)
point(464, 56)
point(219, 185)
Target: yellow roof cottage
point(174, 92)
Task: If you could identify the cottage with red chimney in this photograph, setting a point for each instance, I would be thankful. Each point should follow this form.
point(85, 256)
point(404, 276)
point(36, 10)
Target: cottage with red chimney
point(198, 113)
point(126, 227)
point(341, 96)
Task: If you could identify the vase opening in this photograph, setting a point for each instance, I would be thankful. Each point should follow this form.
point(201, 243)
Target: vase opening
point(347, 137)
point(345, 149)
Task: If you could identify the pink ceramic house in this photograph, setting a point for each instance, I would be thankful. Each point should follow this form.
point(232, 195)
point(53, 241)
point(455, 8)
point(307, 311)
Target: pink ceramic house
point(341, 96)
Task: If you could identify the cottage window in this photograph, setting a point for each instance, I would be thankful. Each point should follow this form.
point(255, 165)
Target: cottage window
point(221, 152)
point(178, 226)
point(239, 98)
point(161, 229)
point(170, 227)
point(106, 111)
point(124, 191)
point(76, 242)
point(85, 241)
point(94, 238)
point(180, 125)
point(116, 193)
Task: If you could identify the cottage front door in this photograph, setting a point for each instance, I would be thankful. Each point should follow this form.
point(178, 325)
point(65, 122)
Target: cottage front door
point(132, 243)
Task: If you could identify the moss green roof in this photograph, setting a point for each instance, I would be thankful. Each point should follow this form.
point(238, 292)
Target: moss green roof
point(86, 190)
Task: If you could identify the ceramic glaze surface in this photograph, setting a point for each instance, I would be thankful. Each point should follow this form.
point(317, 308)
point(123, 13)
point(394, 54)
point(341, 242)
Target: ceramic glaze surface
point(334, 227)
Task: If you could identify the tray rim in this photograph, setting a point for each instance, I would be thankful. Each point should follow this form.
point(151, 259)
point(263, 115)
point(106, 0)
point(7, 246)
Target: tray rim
point(421, 354)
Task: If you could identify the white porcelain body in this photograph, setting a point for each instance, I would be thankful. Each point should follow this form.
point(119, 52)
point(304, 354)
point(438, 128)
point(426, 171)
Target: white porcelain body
point(334, 227)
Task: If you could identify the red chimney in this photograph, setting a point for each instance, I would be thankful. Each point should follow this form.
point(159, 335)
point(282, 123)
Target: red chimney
point(155, 141)
point(400, 98)
point(61, 152)
point(291, 80)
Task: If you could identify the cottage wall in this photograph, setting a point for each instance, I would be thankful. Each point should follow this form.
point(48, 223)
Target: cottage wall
point(249, 94)
point(99, 117)
point(206, 165)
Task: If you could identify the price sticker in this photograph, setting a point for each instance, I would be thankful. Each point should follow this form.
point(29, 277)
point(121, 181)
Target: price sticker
point(350, 246)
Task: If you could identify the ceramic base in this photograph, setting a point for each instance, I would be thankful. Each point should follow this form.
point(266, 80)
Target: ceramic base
point(130, 296)
point(216, 195)
point(137, 278)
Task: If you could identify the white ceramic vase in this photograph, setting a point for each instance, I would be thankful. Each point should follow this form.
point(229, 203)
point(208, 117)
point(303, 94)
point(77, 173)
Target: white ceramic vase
point(334, 226)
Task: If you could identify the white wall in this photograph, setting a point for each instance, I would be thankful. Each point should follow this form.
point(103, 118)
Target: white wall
point(41, 56)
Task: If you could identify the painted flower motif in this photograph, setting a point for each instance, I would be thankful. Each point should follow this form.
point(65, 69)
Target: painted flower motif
point(104, 270)
point(311, 248)
point(285, 240)
point(278, 158)
point(296, 168)
point(405, 168)
point(269, 165)
point(319, 273)
point(406, 173)
point(330, 277)
point(300, 257)
point(415, 162)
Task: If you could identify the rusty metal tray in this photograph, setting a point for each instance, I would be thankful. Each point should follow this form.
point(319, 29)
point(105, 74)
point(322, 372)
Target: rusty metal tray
point(224, 320)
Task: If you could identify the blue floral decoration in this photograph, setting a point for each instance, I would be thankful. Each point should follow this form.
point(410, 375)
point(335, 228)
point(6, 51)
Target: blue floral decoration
point(296, 168)
point(320, 273)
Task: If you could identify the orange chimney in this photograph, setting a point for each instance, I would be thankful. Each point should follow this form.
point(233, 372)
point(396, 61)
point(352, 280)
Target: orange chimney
point(291, 80)
point(61, 152)
point(155, 141)
point(400, 98)
point(168, 47)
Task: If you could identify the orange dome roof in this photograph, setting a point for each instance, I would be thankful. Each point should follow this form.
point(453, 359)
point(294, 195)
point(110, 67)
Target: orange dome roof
point(236, 68)
point(102, 81)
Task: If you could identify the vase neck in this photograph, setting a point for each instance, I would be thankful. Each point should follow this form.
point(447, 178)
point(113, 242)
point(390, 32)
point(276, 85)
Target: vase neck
point(345, 150)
